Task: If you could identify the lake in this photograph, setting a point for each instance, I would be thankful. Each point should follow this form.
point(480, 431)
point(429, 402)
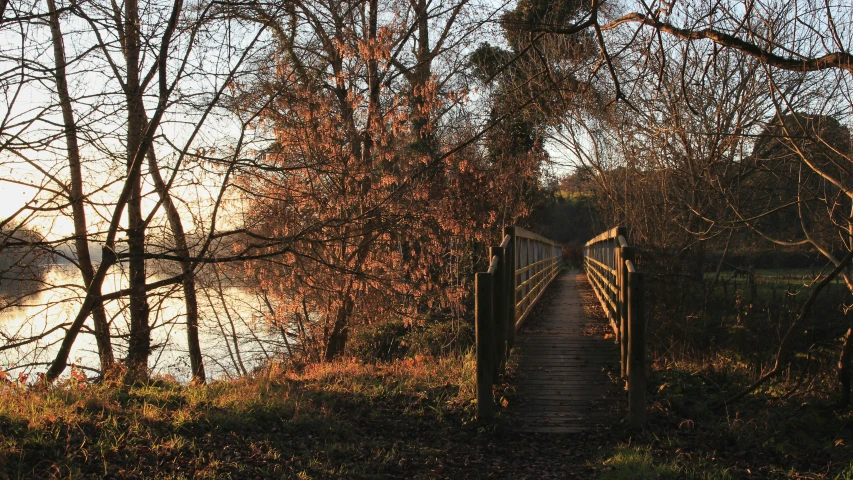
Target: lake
point(232, 330)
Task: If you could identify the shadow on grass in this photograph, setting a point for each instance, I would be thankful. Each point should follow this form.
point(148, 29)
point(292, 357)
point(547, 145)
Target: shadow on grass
point(360, 422)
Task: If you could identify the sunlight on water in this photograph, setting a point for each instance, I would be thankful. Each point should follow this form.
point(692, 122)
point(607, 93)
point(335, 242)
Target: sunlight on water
point(236, 316)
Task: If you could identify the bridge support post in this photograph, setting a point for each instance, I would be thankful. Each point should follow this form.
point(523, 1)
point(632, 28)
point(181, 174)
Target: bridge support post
point(484, 325)
point(636, 352)
point(621, 314)
point(499, 313)
point(511, 265)
point(622, 254)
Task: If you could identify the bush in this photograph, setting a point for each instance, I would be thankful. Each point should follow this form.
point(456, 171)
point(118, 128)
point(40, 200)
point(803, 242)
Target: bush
point(441, 337)
point(380, 341)
point(393, 339)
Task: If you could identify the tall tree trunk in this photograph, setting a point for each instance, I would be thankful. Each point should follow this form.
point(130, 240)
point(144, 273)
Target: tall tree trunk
point(314, 350)
point(81, 240)
point(337, 339)
point(139, 345)
point(845, 359)
point(373, 114)
point(340, 331)
point(188, 282)
point(419, 78)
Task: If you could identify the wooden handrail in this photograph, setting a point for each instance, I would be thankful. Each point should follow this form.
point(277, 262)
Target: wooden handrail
point(519, 271)
point(609, 263)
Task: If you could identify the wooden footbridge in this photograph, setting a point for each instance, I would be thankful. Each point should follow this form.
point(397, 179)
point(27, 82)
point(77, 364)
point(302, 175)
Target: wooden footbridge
point(531, 310)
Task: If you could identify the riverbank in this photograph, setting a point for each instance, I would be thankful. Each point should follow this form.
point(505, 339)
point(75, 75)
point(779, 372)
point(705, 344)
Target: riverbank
point(412, 418)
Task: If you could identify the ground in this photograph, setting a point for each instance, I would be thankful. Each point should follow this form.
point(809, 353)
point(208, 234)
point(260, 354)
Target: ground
point(409, 418)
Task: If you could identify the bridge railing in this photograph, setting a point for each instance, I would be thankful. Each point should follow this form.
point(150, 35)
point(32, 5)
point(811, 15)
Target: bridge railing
point(519, 271)
point(609, 263)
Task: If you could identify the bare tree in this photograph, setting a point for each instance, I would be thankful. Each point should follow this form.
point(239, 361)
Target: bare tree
point(702, 83)
point(76, 193)
point(132, 136)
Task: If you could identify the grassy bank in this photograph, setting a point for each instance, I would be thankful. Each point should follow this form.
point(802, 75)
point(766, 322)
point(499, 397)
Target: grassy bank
point(704, 349)
point(328, 420)
point(411, 418)
point(761, 437)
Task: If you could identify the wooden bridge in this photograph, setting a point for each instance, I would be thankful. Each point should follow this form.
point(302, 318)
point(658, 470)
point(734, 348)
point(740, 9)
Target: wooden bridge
point(531, 310)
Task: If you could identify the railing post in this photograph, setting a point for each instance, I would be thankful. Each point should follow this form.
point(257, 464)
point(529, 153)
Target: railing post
point(619, 287)
point(534, 286)
point(499, 311)
point(525, 264)
point(617, 297)
point(636, 352)
point(556, 259)
point(510, 268)
point(613, 280)
point(622, 298)
point(602, 259)
point(484, 332)
point(537, 270)
point(526, 277)
point(625, 340)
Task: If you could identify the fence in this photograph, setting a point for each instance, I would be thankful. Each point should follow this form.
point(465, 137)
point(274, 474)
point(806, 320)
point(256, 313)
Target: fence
point(609, 262)
point(519, 271)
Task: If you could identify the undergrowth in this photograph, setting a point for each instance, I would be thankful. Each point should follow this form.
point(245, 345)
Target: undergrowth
point(337, 419)
point(705, 351)
point(409, 418)
point(411, 415)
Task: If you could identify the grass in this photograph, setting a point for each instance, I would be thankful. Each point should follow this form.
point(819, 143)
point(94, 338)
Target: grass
point(411, 418)
point(762, 437)
point(788, 428)
point(325, 421)
point(627, 463)
point(637, 463)
point(847, 474)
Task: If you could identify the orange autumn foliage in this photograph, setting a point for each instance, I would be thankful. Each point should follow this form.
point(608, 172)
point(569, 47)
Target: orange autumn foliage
point(376, 223)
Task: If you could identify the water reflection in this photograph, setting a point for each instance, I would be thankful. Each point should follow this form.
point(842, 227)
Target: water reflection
point(233, 334)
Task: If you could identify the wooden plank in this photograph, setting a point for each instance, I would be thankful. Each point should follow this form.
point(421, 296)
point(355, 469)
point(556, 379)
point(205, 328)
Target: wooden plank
point(562, 383)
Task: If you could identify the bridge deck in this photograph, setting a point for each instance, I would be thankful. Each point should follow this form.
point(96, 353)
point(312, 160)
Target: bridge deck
point(565, 363)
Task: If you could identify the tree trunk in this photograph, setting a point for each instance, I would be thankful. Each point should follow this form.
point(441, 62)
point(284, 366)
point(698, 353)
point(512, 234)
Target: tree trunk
point(338, 337)
point(314, 350)
point(418, 80)
point(188, 282)
point(81, 240)
point(139, 343)
point(844, 360)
